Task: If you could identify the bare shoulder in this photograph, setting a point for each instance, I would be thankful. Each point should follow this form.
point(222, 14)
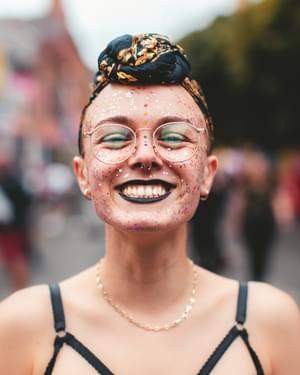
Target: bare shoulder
point(272, 306)
point(25, 308)
point(274, 320)
point(25, 316)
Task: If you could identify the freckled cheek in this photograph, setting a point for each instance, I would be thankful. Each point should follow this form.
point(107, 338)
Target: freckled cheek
point(193, 187)
point(101, 175)
point(100, 180)
point(191, 176)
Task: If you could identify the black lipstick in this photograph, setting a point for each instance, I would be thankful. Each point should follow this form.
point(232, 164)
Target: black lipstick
point(144, 200)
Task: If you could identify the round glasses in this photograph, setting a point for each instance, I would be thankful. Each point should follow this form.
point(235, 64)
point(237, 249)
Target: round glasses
point(175, 141)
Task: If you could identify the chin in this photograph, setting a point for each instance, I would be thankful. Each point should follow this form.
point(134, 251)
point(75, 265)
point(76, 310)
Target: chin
point(146, 222)
point(154, 217)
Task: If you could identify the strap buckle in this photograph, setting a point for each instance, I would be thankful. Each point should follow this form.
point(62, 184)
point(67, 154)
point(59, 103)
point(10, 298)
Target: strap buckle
point(239, 326)
point(61, 334)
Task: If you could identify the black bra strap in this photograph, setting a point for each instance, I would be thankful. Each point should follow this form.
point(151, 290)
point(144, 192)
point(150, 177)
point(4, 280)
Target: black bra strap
point(241, 311)
point(57, 308)
point(58, 343)
point(235, 332)
point(81, 349)
point(219, 351)
point(66, 338)
point(59, 325)
point(255, 359)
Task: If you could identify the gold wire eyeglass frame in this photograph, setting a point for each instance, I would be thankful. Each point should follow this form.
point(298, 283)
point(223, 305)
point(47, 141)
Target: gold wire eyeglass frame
point(200, 130)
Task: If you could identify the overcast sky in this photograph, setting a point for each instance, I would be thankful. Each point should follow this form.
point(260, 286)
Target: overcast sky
point(95, 22)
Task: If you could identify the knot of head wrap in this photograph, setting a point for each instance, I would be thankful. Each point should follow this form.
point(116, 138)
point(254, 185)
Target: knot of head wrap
point(146, 59)
point(143, 59)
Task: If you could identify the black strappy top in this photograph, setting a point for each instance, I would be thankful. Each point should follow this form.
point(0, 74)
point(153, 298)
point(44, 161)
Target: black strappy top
point(63, 337)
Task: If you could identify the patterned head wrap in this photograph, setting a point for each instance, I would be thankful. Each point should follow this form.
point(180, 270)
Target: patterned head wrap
point(145, 59)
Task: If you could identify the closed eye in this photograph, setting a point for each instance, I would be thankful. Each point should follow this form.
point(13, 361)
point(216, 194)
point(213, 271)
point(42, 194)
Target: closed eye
point(116, 137)
point(173, 137)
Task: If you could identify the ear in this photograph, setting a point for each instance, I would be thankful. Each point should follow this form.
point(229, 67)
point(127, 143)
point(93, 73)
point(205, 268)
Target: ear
point(210, 170)
point(81, 173)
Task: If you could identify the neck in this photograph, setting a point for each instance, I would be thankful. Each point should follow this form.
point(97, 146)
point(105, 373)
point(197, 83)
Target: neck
point(147, 268)
point(141, 257)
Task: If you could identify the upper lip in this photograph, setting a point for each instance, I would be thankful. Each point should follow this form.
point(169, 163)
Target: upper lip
point(168, 185)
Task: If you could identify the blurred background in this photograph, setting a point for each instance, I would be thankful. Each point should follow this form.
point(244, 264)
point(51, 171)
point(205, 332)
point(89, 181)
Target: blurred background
point(246, 54)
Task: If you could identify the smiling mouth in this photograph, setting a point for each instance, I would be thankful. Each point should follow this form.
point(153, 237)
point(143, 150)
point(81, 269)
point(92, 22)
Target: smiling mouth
point(145, 191)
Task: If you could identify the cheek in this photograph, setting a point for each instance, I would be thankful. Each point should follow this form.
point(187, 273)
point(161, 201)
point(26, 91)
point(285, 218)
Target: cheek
point(192, 171)
point(192, 182)
point(98, 173)
point(101, 177)
point(191, 177)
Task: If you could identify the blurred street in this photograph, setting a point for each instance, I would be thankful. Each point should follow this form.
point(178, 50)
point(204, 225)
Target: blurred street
point(76, 243)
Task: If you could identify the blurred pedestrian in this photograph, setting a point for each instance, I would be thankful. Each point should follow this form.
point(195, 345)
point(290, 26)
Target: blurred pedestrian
point(291, 183)
point(206, 227)
point(258, 220)
point(14, 207)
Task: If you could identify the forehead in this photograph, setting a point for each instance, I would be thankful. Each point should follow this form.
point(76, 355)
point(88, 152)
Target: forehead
point(143, 105)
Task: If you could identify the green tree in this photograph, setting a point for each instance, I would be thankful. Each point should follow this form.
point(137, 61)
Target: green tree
point(249, 66)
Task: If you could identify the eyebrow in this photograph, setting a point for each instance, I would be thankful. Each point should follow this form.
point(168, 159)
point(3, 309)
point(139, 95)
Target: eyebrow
point(127, 121)
point(118, 119)
point(167, 119)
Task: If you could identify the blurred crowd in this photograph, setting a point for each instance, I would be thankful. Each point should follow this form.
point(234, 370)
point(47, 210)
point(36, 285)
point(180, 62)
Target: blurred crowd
point(255, 198)
point(36, 201)
point(43, 87)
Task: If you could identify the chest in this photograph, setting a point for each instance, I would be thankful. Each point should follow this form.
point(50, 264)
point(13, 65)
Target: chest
point(155, 356)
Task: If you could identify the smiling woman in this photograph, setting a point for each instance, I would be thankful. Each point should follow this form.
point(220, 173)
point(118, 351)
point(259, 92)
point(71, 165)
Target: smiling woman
point(145, 162)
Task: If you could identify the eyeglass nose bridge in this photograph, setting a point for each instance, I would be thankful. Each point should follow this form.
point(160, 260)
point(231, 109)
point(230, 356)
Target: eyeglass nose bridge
point(144, 130)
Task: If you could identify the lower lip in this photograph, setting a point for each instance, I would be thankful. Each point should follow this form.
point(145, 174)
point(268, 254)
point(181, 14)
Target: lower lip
point(145, 200)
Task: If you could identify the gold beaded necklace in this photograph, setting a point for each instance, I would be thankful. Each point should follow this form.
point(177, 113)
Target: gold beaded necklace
point(187, 310)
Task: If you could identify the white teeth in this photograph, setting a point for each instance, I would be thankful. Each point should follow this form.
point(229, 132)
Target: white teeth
point(141, 191)
point(148, 190)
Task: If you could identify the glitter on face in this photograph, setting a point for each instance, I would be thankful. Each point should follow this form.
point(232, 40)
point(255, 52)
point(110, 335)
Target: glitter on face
point(187, 176)
point(145, 140)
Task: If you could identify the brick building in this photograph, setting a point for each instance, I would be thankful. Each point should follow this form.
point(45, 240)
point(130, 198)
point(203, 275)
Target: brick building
point(43, 87)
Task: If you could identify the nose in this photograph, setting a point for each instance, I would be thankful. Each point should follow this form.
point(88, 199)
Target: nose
point(145, 156)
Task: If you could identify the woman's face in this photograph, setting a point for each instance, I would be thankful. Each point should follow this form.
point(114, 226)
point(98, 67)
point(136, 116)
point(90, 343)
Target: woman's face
point(110, 185)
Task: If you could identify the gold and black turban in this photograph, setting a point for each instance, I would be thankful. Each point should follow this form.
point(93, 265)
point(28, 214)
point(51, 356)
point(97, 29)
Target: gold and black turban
point(146, 59)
